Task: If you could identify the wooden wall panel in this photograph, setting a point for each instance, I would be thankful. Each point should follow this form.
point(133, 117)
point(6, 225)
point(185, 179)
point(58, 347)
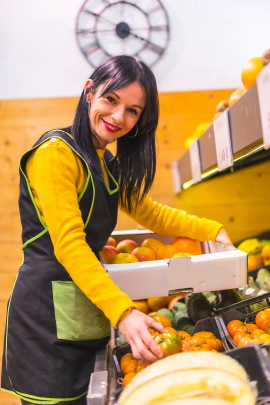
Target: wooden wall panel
point(22, 122)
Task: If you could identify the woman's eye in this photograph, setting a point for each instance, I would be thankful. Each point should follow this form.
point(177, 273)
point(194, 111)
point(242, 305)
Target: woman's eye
point(110, 99)
point(132, 111)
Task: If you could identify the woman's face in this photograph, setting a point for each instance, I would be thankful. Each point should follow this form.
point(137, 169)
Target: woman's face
point(114, 114)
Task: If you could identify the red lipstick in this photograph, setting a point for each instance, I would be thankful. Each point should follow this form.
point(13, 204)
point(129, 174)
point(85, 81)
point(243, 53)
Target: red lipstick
point(110, 127)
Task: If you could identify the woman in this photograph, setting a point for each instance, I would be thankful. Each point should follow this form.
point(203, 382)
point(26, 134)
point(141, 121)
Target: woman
point(63, 301)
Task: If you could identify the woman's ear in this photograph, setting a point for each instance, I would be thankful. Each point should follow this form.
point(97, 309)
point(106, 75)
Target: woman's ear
point(88, 90)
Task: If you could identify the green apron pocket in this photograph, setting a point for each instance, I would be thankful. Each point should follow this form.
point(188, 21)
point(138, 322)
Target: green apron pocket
point(77, 318)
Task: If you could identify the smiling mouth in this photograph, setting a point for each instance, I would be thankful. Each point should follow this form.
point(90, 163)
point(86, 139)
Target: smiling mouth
point(110, 127)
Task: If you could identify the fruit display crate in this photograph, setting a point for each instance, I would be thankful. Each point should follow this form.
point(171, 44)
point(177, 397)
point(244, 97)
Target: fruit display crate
point(241, 311)
point(251, 357)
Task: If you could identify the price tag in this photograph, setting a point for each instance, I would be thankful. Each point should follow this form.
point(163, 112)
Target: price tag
point(263, 85)
point(195, 161)
point(176, 176)
point(223, 141)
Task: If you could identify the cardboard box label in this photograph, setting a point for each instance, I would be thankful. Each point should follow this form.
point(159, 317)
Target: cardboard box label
point(223, 141)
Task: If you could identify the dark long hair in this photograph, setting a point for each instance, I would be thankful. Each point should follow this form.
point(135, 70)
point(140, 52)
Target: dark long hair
point(134, 164)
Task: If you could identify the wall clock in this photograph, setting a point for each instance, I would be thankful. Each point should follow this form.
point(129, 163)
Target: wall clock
point(107, 28)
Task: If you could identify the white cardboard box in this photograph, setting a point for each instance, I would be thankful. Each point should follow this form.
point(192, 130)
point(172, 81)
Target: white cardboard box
point(218, 268)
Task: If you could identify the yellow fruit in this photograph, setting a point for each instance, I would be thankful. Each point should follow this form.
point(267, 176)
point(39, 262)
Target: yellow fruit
point(142, 306)
point(199, 130)
point(181, 254)
point(158, 302)
point(222, 106)
point(251, 246)
point(250, 71)
point(236, 95)
point(153, 244)
point(124, 258)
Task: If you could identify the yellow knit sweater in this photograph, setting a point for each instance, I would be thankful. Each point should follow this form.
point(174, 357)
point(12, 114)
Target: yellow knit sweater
point(57, 176)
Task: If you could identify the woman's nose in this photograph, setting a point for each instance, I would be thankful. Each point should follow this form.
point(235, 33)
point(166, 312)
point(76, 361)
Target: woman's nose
point(118, 115)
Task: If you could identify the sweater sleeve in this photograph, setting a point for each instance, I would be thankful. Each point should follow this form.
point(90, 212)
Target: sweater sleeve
point(174, 222)
point(54, 172)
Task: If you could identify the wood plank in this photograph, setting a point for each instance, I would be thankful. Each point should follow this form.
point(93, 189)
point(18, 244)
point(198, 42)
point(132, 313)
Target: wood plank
point(11, 257)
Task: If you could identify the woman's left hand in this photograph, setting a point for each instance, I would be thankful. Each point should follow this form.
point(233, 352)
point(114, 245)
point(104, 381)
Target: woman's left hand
point(223, 237)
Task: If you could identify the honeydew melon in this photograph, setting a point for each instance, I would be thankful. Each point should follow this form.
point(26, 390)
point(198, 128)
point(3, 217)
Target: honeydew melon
point(190, 376)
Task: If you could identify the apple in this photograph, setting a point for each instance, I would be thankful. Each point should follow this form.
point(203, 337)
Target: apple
point(126, 246)
point(111, 241)
point(108, 253)
point(144, 254)
point(124, 258)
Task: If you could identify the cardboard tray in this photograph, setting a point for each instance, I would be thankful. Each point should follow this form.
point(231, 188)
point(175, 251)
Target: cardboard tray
point(245, 121)
point(251, 357)
point(220, 267)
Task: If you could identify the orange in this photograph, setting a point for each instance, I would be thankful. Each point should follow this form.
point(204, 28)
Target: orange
point(254, 262)
point(166, 251)
point(174, 300)
point(236, 94)
point(142, 306)
point(266, 252)
point(187, 245)
point(250, 71)
point(128, 377)
point(153, 244)
point(157, 303)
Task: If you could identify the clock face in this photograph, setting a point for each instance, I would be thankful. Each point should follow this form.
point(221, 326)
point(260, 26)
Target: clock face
point(107, 28)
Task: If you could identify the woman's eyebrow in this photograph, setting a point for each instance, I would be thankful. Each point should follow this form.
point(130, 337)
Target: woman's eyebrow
point(133, 105)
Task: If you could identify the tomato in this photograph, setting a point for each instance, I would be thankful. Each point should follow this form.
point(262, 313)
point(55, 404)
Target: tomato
point(245, 340)
point(140, 366)
point(125, 359)
point(183, 334)
point(162, 319)
point(233, 326)
point(128, 377)
point(204, 334)
point(262, 318)
point(214, 344)
point(250, 327)
point(238, 336)
point(168, 342)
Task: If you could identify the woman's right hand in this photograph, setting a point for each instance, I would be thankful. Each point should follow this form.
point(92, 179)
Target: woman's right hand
point(134, 328)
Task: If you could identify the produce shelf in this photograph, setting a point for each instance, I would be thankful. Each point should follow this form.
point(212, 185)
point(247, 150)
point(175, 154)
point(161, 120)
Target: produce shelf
point(247, 143)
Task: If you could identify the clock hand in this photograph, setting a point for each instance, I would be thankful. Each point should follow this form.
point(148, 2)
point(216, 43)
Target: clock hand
point(135, 35)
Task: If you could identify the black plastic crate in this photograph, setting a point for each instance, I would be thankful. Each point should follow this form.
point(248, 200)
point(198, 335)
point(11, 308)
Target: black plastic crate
point(254, 361)
point(118, 352)
point(240, 311)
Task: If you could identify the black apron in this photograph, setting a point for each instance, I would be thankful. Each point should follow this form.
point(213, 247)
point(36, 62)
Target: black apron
point(53, 330)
